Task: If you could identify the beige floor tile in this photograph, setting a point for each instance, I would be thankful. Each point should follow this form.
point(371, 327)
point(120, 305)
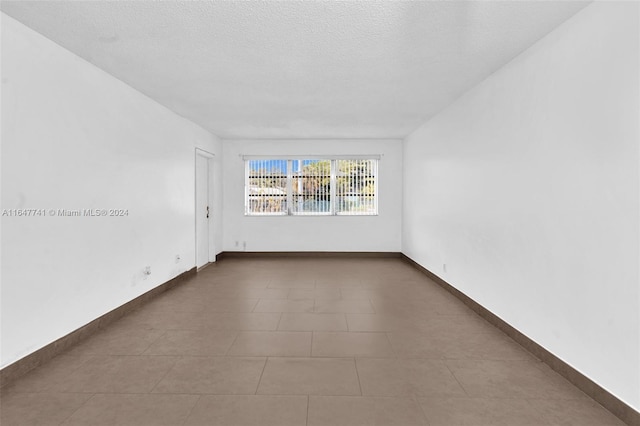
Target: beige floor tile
point(351, 283)
point(285, 306)
point(480, 412)
point(49, 376)
point(350, 293)
point(125, 374)
point(583, 412)
point(386, 301)
point(219, 375)
point(221, 292)
point(262, 293)
point(249, 410)
point(309, 376)
point(27, 409)
point(344, 306)
point(399, 348)
point(364, 411)
point(317, 293)
point(133, 410)
point(379, 322)
point(293, 283)
point(312, 322)
point(241, 321)
point(230, 305)
point(193, 343)
point(496, 346)
point(158, 320)
point(329, 344)
point(460, 325)
point(117, 341)
point(407, 378)
point(271, 343)
point(171, 303)
point(450, 308)
point(510, 379)
point(240, 283)
point(383, 303)
point(433, 345)
point(412, 344)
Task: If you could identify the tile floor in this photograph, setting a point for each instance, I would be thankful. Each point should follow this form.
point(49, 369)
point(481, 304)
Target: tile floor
point(300, 342)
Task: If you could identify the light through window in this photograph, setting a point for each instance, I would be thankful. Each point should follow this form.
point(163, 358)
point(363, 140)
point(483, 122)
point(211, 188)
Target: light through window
point(267, 187)
point(356, 187)
point(311, 187)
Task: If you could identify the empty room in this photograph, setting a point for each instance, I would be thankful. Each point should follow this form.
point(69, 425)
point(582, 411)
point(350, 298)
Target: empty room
point(320, 213)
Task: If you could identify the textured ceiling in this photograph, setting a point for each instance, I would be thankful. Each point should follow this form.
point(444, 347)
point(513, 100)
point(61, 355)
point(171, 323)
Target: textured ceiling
point(298, 69)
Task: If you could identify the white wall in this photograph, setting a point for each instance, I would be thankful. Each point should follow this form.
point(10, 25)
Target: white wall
point(74, 137)
point(528, 189)
point(313, 233)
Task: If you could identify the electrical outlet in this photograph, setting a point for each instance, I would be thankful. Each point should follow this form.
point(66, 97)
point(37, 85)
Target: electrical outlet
point(244, 245)
point(147, 270)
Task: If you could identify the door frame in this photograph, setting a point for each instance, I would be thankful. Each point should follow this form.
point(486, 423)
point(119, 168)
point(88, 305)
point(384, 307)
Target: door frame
point(210, 198)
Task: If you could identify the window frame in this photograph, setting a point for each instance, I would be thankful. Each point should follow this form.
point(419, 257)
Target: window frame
point(333, 176)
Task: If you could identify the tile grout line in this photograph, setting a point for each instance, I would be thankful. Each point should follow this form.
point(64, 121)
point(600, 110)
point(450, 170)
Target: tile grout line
point(191, 409)
point(164, 333)
point(393, 349)
point(540, 412)
point(446, 364)
point(355, 365)
point(264, 367)
point(422, 410)
point(372, 306)
point(177, 358)
point(78, 409)
point(253, 310)
point(226, 353)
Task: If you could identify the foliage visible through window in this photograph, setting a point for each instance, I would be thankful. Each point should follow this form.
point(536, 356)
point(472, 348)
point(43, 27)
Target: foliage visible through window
point(356, 187)
point(311, 187)
point(267, 187)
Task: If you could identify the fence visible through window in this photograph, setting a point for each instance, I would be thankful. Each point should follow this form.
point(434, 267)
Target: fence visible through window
point(267, 187)
point(311, 187)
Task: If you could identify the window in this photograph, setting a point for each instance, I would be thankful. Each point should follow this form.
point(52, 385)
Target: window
point(267, 187)
point(311, 187)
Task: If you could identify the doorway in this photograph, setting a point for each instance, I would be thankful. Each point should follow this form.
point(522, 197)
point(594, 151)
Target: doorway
point(205, 250)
